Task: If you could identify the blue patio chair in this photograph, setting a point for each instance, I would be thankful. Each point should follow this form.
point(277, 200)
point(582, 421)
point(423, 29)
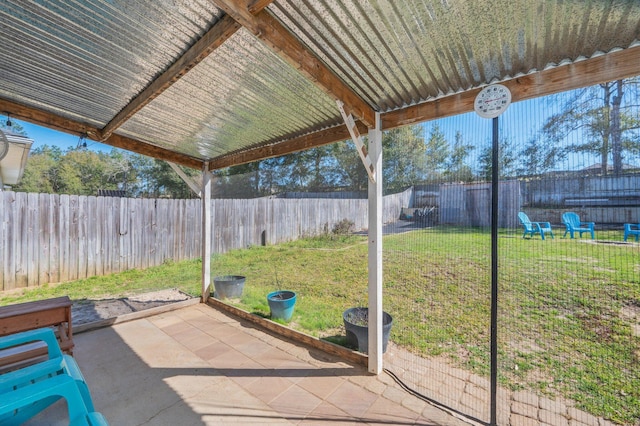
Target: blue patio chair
point(15, 401)
point(532, 228)
point(57, 364)
point(45, 335)
point(631, 229)
point(65, 365)
point(573, 224)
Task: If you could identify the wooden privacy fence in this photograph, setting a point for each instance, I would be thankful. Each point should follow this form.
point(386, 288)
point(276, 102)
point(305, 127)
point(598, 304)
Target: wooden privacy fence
point(57, 238)
point(469, 204)
point(582, 191)
point(49, 238)
point(609, 201)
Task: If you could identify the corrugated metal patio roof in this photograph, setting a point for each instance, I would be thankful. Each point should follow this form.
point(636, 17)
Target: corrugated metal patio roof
point(232, 81)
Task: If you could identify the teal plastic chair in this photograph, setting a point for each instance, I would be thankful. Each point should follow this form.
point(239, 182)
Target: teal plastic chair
point(62, 386)
point(26, 376)
point(573, 224)
point(57, 364)
point(45, 335)
point(631, 230)
point(532, 228)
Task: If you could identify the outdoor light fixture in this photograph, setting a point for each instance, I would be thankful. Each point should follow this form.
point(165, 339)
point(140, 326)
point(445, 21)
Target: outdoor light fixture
point(9, 123)
point(81, 141)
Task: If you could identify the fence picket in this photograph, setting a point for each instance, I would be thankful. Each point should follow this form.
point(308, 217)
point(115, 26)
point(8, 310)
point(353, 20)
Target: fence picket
point(10, 245)
point(22, 250)
point(44, 212)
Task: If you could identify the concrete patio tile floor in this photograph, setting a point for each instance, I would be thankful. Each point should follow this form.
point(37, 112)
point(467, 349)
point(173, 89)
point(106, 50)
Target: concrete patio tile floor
point(199, 366)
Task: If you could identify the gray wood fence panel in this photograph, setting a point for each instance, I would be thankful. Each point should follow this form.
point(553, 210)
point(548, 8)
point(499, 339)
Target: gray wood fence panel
point(556, 191)
point(3, 235)
point(470, 204)
point(335, 195)
point(126, 217)
point(22, 250)
point(57, 238)
point(83, 246)
point(54, 242)
point(155, 226)
point(32, 228)
point(109, 243)
point(74, 237)
point(91, 235)
point(63, 237)
point(10, 241)
point(101, 241)
point(13, 248)
point(176, 214)
point(194, 219)
point(44, 255)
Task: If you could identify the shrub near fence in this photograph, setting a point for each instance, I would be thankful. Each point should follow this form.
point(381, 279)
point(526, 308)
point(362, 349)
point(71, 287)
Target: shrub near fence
point(48, 238)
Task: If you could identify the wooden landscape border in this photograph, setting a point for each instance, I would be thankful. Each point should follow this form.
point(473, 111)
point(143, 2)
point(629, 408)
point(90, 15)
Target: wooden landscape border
point(288, 333)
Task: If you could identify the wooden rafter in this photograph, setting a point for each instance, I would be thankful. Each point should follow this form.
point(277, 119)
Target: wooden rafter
point(66, 125)
point(218, 34)
point(153, 151)
point(256, 6)
point(268, 29)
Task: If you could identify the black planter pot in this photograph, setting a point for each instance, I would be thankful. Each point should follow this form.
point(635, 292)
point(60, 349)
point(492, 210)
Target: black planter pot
point(228, 286)
point(356, 322)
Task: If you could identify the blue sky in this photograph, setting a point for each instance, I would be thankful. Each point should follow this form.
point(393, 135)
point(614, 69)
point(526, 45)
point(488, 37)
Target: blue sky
point(44, 136)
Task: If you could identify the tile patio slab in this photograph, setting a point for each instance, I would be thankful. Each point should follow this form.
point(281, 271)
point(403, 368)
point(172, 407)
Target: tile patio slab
point(199, 366)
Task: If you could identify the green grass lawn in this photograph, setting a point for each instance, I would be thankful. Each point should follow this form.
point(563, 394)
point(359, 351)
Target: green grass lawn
point(184, 276)
point(569, 309)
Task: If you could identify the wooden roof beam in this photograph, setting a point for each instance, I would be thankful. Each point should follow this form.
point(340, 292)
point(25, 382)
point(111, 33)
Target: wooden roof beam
point(256, 6)
point(612, 66)
point(52, 121)
point(210, 41)
point(268, 29)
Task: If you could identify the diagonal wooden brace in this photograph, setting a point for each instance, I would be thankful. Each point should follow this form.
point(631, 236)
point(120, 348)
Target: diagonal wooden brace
point(357, 139)
point(192, 185)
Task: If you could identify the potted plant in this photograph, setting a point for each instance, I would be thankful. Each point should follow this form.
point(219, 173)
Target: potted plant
point(228, 286)
point(281, 304)
point(356, 323)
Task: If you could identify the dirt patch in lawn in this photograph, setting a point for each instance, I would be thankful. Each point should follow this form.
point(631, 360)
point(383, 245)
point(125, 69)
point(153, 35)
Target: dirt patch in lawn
point(88, 311)
point(631, 313)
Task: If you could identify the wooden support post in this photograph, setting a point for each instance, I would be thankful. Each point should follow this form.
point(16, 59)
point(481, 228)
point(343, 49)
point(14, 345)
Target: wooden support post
point(375, 251)
point(206, 231)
